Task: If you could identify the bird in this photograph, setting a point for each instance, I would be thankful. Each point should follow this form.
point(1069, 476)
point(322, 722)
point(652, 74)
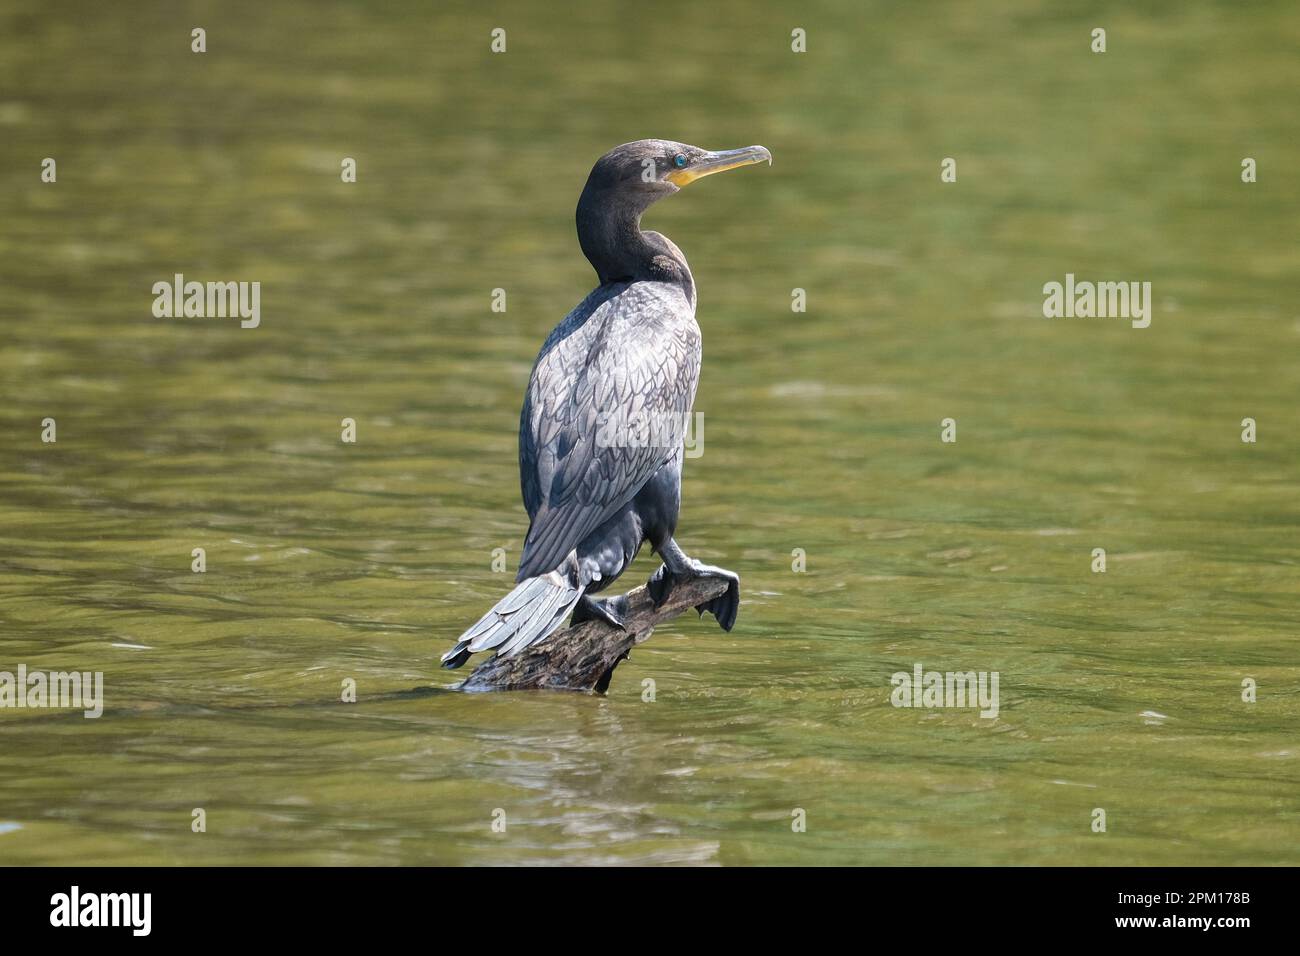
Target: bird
point(600, 432)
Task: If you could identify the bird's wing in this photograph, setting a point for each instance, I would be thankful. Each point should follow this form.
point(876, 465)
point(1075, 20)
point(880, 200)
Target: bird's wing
point(637, 354)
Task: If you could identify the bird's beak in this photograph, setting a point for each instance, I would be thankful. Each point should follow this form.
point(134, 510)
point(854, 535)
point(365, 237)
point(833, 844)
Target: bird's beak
point(719, 162)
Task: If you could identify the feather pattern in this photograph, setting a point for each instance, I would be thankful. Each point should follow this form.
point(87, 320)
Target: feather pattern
point(628, 350)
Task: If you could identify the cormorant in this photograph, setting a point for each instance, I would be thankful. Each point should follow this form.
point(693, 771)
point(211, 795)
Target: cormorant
point(628, 355)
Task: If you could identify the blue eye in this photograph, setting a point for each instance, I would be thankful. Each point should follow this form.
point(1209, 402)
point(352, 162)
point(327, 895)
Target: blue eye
point(679, 161)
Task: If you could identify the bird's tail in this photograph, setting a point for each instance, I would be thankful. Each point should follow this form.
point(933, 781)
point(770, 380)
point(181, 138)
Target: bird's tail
point(528, 614)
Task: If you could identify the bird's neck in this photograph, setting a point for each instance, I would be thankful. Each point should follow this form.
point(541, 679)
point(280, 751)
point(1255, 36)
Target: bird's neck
point(611, 239)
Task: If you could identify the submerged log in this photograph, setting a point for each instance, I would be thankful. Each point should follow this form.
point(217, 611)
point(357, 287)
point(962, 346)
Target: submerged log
point(583, 657)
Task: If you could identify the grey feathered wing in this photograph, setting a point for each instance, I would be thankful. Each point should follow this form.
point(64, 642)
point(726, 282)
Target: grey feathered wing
point(633, 355)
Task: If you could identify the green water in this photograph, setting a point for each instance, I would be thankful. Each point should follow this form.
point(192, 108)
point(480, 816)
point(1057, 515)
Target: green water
point(329, 561)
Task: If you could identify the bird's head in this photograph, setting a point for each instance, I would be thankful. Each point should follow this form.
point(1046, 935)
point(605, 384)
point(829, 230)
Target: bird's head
point(640, 173)
point(623, 184)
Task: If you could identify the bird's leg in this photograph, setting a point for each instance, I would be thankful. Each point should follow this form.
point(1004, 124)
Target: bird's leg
point(610, 610)
point(678, 566)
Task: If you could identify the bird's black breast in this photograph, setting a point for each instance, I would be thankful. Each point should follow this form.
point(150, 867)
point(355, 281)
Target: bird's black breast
point(629, 349)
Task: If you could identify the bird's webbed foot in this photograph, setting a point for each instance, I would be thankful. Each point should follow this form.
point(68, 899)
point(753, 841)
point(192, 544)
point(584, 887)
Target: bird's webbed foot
point(726, 606)
point(678, 567)
point(611, 610)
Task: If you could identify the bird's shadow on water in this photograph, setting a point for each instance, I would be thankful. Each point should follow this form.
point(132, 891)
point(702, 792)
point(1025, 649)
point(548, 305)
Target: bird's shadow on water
point(422, 693)
point(415, 693)
point(418, 693)
point(191, 708)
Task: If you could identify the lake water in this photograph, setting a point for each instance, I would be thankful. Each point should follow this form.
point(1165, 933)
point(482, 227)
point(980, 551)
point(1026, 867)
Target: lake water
point(329, 561)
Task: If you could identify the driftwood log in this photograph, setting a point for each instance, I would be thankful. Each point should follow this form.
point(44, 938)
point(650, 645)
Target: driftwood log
point(583, 657)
